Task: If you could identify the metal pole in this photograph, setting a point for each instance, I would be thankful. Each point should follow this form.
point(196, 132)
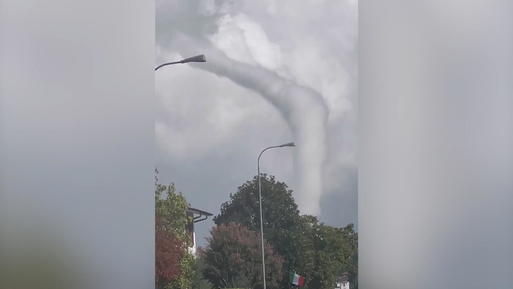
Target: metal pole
point(260, 203)
point(261, 217)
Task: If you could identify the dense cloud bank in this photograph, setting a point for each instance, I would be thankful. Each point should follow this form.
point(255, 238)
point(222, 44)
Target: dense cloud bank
point(281, 71)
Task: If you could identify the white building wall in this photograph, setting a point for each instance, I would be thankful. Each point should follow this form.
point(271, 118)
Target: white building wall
point(192, 249)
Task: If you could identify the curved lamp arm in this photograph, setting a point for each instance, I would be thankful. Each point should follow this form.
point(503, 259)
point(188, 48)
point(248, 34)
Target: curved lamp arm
point(197, 58)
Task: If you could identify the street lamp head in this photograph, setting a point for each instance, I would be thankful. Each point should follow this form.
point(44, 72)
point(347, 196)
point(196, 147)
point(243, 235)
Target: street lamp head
point(290, 144)
point(197, 58)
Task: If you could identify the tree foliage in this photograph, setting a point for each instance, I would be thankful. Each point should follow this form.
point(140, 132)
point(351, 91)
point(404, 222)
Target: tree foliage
point(327, 253)
point(233, 259)
point(169, 250)
point(171, 209)
point(280, 215)
point(198, 280)
point(318, 252)
point(173, 262)
point(279, 210)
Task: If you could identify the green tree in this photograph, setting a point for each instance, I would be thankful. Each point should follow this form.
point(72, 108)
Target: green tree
point(233, 259)
point(280, 215)
point(328, 252)
point(171, 208)
point(173, 261)
point(198, 280)
point(318, 252)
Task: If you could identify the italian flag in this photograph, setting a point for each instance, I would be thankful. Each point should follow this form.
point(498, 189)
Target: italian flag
point(296, 279)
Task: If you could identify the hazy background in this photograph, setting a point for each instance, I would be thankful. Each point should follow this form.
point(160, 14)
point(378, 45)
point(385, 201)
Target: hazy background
point(436, 144)
point(76, 144)
point(276, 71)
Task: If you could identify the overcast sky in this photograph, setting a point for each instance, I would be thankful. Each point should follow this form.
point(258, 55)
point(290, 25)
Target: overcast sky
point(276, 71)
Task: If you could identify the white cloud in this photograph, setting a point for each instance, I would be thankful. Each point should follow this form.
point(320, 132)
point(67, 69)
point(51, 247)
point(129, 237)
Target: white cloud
point(312, 43)
point(245, 40)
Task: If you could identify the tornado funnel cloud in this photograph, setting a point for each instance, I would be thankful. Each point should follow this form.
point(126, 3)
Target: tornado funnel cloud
point(304, 110)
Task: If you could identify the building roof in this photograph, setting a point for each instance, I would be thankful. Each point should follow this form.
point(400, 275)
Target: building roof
point(198, 215)
point(199, 212)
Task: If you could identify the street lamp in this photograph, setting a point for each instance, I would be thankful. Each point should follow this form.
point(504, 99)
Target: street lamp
point(197, 58)
point(290, 144)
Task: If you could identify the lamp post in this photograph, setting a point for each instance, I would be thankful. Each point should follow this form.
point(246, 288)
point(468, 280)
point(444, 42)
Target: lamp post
point(197, 58)
point(290, 144)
